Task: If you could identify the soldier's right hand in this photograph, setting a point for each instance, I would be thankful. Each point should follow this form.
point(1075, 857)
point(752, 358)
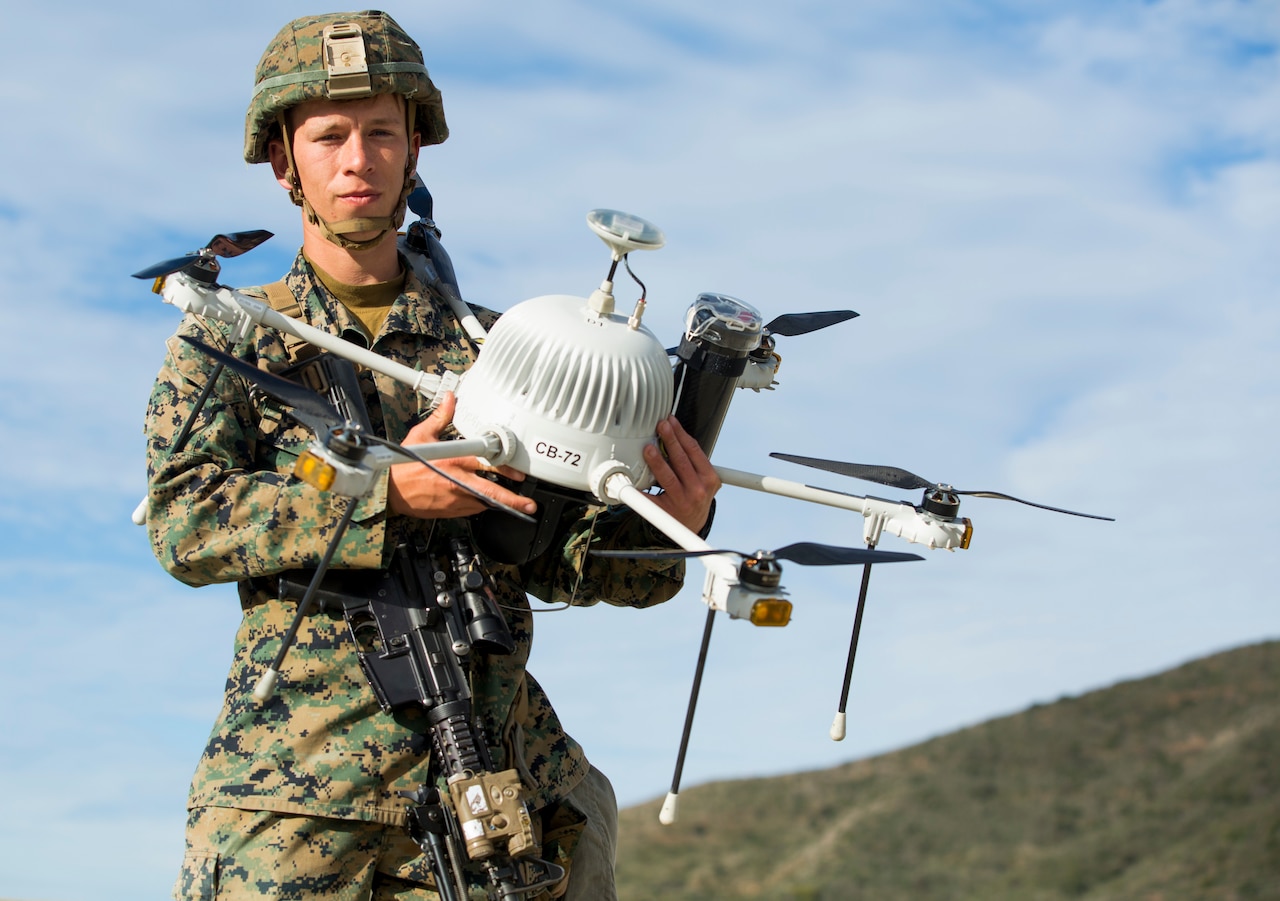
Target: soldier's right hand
point(415, 490)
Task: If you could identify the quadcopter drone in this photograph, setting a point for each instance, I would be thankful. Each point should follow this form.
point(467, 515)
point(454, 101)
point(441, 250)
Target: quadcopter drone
point(568, 391)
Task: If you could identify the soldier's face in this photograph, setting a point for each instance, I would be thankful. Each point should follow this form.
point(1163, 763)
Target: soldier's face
point(350, 156)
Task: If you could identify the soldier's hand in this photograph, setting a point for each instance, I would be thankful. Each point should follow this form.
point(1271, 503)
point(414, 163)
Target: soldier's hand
point(415, 490)
point(685, 475)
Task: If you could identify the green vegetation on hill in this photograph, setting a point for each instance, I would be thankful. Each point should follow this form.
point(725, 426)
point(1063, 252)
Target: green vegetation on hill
point(1161, 789)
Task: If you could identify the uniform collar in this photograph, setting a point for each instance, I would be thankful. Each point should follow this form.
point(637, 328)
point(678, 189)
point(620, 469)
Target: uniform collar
point(416, 311)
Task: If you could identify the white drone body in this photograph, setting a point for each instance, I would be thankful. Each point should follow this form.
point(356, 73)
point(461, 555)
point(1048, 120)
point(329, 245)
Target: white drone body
point(584, 391)
point(568, 391)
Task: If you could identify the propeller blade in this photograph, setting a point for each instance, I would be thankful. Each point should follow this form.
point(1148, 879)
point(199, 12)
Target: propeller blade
point(168, 267)
point(236, 243)
point(900, 478)
point(442, 262)
point(310, 408)
point(231, 245)
point(420, 202)
point(1009, 497)
point(805, 553)
point(884, 475)
point(791, 324)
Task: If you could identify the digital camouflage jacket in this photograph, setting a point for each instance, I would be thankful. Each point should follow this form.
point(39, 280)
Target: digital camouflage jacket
point(227, 508)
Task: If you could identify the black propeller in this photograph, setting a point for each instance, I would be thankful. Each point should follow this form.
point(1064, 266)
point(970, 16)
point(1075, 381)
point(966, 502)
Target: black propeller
point(791, 324)
point(205, 259)
point(424, 236)
point(310, 408)
point(806, 553)
point(319, 415)
point(421, 203)
point(900, 478)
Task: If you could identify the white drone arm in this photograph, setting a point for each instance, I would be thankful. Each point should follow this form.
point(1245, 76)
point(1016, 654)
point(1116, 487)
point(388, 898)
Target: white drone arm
point(356, 479)
point(228, 305)
point(895, 517)
point(723, 590)
point(495, 446)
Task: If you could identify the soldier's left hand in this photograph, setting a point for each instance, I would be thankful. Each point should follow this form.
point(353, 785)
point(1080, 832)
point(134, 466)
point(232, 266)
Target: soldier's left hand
point(685, 475)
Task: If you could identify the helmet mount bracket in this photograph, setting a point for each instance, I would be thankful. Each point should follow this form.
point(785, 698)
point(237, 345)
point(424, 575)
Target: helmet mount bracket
point(346, 61)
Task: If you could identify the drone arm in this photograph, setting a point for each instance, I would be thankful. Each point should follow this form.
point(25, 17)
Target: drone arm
point(897, 518)
point(770, 485)
point(723, 589)
point(568, 573)
point(620, 487)
point(493, 447)
point(426, 384)
point(227, 305)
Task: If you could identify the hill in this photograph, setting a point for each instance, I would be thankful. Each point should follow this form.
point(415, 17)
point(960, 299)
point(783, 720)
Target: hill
point(1159, 789)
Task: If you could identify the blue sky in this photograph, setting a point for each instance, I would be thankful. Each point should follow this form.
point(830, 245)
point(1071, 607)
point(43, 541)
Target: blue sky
point(1057, 220)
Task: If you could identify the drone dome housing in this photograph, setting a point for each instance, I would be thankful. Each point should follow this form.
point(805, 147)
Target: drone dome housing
point(581, 391)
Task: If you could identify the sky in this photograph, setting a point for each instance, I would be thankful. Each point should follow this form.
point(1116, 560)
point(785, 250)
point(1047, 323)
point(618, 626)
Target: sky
point(1053, 217)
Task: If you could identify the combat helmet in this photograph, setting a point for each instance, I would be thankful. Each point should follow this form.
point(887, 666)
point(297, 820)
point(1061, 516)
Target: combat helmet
point(341, 56)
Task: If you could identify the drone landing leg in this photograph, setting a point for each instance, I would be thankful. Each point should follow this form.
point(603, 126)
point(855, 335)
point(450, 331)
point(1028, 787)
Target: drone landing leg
point(267, 684)
point(667, 815)
point(140, 514)
point(838, 725)
point(181, 441)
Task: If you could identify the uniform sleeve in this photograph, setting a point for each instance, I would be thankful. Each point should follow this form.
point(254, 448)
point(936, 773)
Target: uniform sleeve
point(226, 507)
point(574, 576)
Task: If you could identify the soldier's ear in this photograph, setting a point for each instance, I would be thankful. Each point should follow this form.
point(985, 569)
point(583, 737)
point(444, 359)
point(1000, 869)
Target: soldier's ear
point(280, 165)
point(278, 152)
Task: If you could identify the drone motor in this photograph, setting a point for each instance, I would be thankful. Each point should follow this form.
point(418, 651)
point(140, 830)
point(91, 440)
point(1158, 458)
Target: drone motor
point(942, 501)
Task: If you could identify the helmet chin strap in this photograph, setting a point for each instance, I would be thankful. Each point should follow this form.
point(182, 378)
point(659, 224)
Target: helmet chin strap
point(336, 232)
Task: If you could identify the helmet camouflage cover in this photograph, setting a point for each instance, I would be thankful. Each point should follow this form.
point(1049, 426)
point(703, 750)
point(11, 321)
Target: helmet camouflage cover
point(340, 56)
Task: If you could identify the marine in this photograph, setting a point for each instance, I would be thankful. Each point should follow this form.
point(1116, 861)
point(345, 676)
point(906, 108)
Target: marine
point(301, 796)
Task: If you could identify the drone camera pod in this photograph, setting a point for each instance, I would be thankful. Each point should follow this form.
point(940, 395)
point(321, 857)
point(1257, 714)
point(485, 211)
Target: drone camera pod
point(720, 334)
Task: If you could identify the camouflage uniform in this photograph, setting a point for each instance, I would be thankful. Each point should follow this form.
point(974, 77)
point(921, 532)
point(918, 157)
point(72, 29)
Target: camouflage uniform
point(226, 508)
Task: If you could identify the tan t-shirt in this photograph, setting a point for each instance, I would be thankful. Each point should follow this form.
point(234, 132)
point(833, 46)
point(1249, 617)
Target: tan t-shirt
point(368, 303)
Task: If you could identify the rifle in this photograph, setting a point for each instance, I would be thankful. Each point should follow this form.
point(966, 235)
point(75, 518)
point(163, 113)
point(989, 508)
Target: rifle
point(416, 625)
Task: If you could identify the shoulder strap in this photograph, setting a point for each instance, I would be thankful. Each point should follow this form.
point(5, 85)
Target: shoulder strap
point(282, 301)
